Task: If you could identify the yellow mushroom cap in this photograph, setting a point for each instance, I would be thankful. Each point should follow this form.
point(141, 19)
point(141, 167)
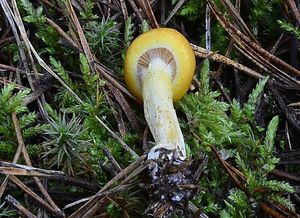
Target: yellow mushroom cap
point(169, 45)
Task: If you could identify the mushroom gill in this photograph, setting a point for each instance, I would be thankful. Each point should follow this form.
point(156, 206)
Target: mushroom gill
point(156, 53)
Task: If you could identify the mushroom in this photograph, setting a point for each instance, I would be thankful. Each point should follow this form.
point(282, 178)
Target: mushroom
point(159, 67)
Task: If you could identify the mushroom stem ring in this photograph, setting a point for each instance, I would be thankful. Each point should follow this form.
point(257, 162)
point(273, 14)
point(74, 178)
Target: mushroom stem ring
point(159, 67)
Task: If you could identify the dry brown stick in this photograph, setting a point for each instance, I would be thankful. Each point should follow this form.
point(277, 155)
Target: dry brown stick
point(231, 42)
point(75, 181)
point(5, 82)
point(136, 10)
point(95, 207)
point(91, 212)
point(228, 170)
point(4, 67)
point(19, 169)
point(162, 11)
point(115, 136)
point(81, 35)
point(238, 20)
point(146, 7)
point(52, 6)
point(94, 198)
point(106, 75)
point(289, 114)
point(270, 211)
point(124, 173)
point(134, 173)
point(26, 189)
point(63, 34)
point(17, 18)
point(43, 85)
point(121, 123)
point(294, 9)
point(254, 58)
point(201, 52)
point(286, 175)
point(283, 209)
point(118, 116)
point(125, 106)
point(241, 38)
point(221, 87)
point(124, 9)
point(20, 172)
point(274, 48)
point(264, 64)
point(174, 10)
point(112, 160)
point(201, 167)
point(28, 162)
point(12, 201)
point(5, 41)
point(16, 158)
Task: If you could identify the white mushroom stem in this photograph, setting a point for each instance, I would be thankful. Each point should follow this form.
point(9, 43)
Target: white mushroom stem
point(160, 114)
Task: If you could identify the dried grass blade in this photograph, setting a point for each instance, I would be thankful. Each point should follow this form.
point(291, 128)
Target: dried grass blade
point(107, 76)
point(12, 201)
point(265, 65)
point(28, 162)
point(124, 9)
point(146, 7)
point(26, 189)
point(19, 169)
point(125, 106)
point(136, 10)
point(115, 136)
point(63, 34)
point(201, 52)
point(83, 41)
point(16, 158)
point(228, 170)
point(95, 207)
point(91, 200)
point(295, 10)
point(238, 19)
point(174, 10)
point(271, 211)
point(244, 40)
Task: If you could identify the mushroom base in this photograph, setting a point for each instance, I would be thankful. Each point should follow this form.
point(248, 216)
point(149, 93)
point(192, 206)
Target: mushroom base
point(172, 188)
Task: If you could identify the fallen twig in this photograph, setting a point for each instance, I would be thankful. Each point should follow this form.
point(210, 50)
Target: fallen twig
point(93, 199)
point(19, 169)
point(201, 52)
point(12, 201)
